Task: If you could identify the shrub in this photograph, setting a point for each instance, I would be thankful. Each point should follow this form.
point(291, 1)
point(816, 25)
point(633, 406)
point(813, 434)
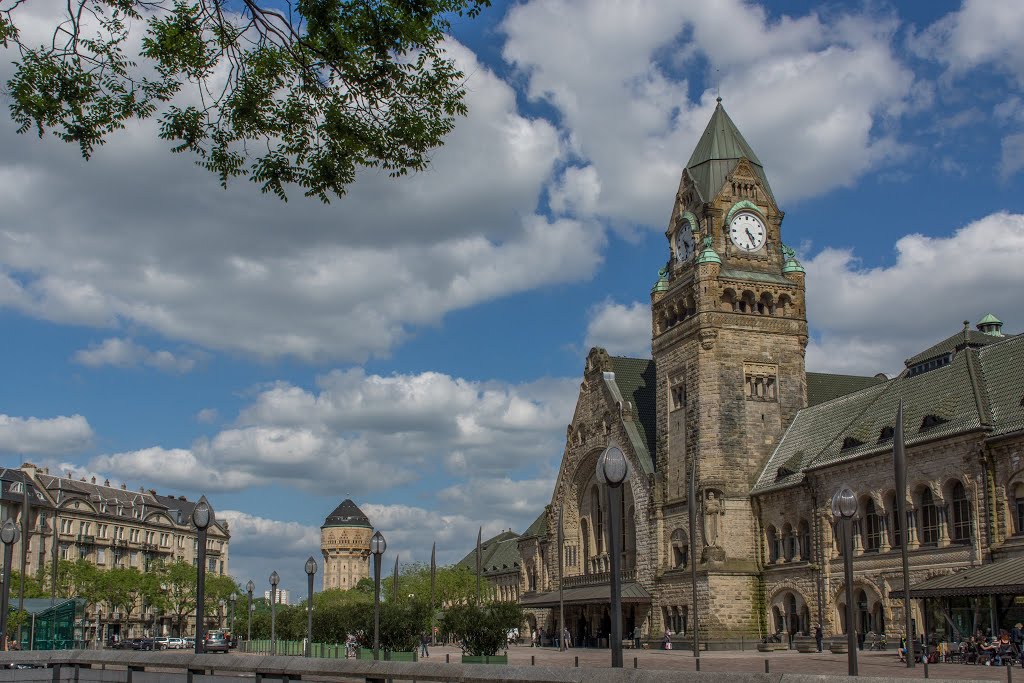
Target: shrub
point(483, 629)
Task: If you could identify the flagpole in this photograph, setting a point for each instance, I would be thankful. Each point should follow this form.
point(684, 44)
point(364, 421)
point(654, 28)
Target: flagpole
point(691, 504)
point(561, 601)
point(899, 460)
point(479, 562)
point(433, 583)
point(394, 582)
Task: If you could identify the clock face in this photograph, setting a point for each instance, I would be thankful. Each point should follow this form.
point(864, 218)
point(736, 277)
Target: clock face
point(747, 231)
point(684, 243)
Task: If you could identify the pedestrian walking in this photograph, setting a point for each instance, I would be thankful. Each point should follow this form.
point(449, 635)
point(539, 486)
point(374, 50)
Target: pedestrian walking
point(819, 637)
point(424, 641)
point(636, 637)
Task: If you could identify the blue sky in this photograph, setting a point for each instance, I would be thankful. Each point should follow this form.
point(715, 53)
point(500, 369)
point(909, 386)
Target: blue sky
point(418, 345)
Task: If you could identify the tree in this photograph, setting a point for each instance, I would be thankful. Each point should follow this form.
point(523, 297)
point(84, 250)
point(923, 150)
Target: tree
point(323, 87)
point(482, 628)
point(180, 579)
point(454, 584)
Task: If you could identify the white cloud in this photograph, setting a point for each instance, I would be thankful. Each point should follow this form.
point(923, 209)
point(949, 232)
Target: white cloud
point(207, 415)
point(172, 253)
point(44, 435)
point(859, 315)
point(981, 32)
point(1011, 157)
point(812, 97)
point(125, 353)
point(377, 431)
point(623, 330)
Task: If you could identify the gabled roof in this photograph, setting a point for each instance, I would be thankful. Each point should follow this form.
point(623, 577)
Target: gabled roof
point(979, 390)
point(960, 340)
point(823, 386)
point(635, 380)
point(539, 527)
point(715, 156)
point(1005, 577)
point(347, 514)
point(500, 554)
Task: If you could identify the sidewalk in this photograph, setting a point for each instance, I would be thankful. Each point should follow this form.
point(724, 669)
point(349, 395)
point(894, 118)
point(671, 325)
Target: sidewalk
point(884, 664)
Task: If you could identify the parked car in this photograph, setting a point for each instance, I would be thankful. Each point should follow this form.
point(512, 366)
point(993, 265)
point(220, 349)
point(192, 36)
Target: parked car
point(216, 641)
point(190, 642)
point(144, 644)
point(175, 643)
point(160, 642)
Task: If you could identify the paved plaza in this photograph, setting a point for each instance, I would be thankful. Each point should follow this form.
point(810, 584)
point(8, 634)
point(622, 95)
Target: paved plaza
point(883, 664)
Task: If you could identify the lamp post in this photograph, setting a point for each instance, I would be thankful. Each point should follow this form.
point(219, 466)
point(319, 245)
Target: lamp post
point(310, 571)
point(249, 588)
point(612, 472)
point(9, 535)
point(274, 580)
point(844, 507)
point(202, 518)
point(377, 547)
point(233, 598)
point(220, 614)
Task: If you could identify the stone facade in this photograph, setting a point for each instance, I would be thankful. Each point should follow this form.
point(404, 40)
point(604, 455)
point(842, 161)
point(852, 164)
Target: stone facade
point(727, 398)
point(345, 544)
point(108, 526)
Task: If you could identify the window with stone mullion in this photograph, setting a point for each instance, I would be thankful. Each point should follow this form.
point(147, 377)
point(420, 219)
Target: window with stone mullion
point(873, 538)
point(929, 519)
point(961, 509)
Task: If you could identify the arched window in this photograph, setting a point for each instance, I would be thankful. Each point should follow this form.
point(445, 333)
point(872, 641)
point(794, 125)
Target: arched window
point(929, 519)
point(787, 542)
point(804, 530)
point(863, 618)
point(895, 529)
point(773, 545)
point(585, 533)
point(873, 538)
point(1018, 508)
point(680, 549)
point(961, 509)
point(595, 504)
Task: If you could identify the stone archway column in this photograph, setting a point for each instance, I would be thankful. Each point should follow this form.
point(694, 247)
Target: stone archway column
point(883, 528)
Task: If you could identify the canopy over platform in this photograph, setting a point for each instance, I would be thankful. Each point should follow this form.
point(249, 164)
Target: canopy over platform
point(632, 592)
point(1005, 577)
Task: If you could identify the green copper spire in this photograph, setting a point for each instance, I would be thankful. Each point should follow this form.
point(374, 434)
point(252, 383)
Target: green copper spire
point(792, 265)
point(991, 325)
point(662, 284)
point(716, 154)
point(708, 255)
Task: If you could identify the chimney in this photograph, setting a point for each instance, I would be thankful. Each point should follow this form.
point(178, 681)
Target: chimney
point(94, 479)
point(106, 482)
point(124, 487)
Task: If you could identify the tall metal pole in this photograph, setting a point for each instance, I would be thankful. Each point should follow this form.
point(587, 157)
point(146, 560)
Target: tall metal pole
point(273, 619)
point(433, 585)
point(851, 630)
point(248, 636)
point(615, 531)
point(479, 561)
point(9, 536)
point(394, 582)
point(54, 562)
point(309, 616)
point(201, 593)
point(691, 504)
point(561, 563)
point(376, 606)
point(899, 459)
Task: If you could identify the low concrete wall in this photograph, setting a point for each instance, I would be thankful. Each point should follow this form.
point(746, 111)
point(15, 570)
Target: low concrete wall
point(179, 667)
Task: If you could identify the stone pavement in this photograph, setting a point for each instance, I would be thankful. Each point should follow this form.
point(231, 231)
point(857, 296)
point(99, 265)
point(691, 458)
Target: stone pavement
point(881, 664)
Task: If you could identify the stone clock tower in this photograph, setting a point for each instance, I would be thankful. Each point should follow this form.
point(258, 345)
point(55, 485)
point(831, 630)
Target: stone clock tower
point(729, 334)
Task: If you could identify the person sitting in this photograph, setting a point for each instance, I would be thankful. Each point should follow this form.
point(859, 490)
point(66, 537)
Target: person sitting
point(902, 649)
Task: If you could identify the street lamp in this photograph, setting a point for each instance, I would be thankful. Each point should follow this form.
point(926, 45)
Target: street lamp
point(844, 507)
point(220, 613)
point(377, 547)
point(274, 580)
point(202, 518)
point(310, 571)
point(612, 472)
point(249, 588)
point(233, 598)
point(9, 535)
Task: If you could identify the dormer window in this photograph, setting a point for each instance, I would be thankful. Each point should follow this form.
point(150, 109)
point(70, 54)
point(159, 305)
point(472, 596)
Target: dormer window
point(886, 434)
point(851, 442)
point(930, 421)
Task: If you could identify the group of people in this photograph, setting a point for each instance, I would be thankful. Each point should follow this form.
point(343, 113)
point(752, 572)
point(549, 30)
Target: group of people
point(1005, 649)
point(538, 637)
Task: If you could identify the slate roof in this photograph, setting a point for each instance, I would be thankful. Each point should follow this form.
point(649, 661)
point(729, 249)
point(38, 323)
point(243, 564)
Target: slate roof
point(632, 592)
point(719, 148)
point(960, 340)
point(500, 554)
point(1005, 577)
point(635, 380)
point(823, 386)
point(347, 514)
point(539, 527)
point(981, 389)
point(12, 486)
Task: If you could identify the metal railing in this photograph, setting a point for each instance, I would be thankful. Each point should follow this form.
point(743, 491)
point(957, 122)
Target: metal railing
point(596, 578)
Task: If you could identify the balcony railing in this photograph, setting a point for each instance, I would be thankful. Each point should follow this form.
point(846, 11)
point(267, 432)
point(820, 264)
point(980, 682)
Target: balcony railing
point(85, 539)
point(596, 579)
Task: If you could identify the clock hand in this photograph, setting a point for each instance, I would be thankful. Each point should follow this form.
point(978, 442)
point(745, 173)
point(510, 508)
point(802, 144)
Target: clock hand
point(750, 236)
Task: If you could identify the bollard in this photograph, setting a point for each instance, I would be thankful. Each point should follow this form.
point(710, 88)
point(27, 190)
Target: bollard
point(697, 660)
point(1009, 673)
point(447, 658)
point(577, 664)
point(532, 662)
point(767, 666)
point(925, 660)
point(635, 663)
